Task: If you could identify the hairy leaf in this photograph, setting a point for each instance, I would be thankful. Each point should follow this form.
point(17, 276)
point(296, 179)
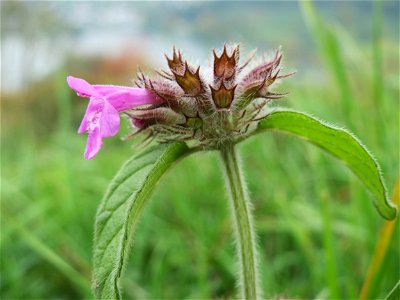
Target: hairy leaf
point(339, 143)
point(120, 210)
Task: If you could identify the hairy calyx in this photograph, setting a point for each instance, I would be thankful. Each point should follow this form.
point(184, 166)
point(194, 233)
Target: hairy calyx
point(208, 110)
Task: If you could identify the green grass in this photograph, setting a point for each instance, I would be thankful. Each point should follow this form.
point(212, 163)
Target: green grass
point(317, 229)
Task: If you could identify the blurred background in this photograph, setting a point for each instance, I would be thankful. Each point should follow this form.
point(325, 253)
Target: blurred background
point(317, 229)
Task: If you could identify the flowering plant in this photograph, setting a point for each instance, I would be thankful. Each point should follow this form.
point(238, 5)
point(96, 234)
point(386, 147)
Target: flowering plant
point(185, 110)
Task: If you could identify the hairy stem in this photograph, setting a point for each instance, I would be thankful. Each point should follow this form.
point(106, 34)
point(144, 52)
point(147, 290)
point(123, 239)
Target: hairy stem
point(243, 223)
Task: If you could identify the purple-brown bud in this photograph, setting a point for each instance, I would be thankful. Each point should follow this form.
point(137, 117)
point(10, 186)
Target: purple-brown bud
point(161, 115)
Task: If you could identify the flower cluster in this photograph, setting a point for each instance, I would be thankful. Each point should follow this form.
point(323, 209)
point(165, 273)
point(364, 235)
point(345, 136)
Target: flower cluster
point(183, 104)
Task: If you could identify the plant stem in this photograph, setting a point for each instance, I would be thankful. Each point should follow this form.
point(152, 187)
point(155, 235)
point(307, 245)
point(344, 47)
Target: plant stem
point(243, 223)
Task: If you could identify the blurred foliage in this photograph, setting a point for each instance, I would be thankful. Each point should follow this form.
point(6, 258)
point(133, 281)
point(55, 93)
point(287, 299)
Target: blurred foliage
point(317, 230)
point(29, 20)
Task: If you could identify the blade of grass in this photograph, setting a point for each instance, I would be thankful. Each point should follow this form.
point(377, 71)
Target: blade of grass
point(80, 282)
point(300, 234)
point(9, 191)
point(329, 48)
point(377, 53)
point(377, 68)
point(64, 117)
point(380, 252)
point(331, 270)
point(394, 294)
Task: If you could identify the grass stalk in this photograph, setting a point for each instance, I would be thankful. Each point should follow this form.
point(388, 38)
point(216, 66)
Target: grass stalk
point(79, 281)
point(382, 246)
point(328, 241)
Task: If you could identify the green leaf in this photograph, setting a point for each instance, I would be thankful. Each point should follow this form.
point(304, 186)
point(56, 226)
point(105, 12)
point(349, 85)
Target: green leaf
point(339, 143)
point(120, 210)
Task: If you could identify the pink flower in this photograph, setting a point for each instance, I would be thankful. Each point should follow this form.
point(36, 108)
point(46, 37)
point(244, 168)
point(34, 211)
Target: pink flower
point(102, 114)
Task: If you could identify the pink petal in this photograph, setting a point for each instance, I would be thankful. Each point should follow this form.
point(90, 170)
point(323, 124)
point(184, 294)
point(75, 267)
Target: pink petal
point(93, 144)
point(125, 98)
point(82, 87)
point(92, 114)
point(109, 120)
point(84, 125)
point(101, 120)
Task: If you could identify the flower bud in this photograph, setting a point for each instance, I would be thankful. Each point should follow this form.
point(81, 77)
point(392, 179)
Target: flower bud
point(161, 115)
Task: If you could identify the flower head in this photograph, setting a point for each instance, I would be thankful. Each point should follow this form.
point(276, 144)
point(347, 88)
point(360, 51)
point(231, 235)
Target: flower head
point(182, 104)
